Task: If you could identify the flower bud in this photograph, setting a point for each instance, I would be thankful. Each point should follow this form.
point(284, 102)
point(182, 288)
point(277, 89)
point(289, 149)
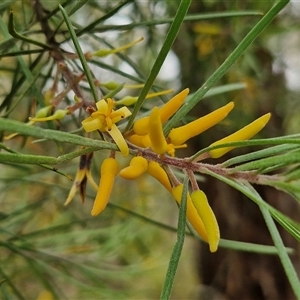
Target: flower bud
point(105, 52)
point(243, 134)
point(208, 217)
point(43, 112)
point(108, 172)
point(138, 165)
point(111, 85)
point(191, 212)
point(181, 134)
point(58, 115)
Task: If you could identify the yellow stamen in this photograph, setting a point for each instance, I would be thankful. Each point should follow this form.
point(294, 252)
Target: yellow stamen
point(156, 171)
point(191, 213)
point(157, 138)
point(207, 215)
point(243, 134)
point(109, 170)
point(171, 148)
point(138, 166)
point(181, 134)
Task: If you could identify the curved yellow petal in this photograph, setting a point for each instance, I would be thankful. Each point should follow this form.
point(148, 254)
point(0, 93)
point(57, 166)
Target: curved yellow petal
point(94, 123)
point(102, 106)
point(120, 114)
point(119, 139)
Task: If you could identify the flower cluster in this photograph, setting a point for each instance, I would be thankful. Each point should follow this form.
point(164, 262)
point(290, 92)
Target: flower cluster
point(152, 150)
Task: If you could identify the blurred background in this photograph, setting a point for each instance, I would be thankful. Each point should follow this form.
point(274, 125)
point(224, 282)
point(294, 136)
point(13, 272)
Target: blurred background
point(49, 251)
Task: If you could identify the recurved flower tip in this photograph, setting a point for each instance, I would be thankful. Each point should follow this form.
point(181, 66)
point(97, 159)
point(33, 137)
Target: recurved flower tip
point(138, 165)
point(243, 134)
point(156, 135)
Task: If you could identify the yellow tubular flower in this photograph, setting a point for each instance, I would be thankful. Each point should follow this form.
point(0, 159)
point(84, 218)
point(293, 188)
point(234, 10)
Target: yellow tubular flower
point(138, 165)
point(108, 172)
point(104, 119)
point(191, 213)
point(141, 126)
point(208, 217)
point(157, 138)
point(243, 134)
point(181, 134)
point(156, 171)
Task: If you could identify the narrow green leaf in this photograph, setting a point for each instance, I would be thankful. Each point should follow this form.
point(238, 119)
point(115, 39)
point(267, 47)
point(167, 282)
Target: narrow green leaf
point(194, 17)
point(171, 35)
point(285, 259)
point(53, 135)
point(16, 35)
point(6, 281)
point(26, 71)
point(89, 28)
point(81, 56)
point(176, 253)
point(259, 154)
point(275, 162)
point(289, 139)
